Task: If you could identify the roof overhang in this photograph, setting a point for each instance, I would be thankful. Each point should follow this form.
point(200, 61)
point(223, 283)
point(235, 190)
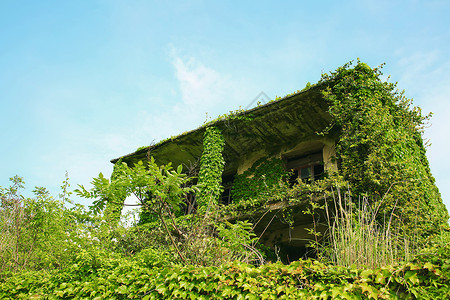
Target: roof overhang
point(270, 127)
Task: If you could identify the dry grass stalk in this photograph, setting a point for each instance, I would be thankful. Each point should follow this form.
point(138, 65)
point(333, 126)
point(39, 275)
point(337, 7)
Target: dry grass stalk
point(355, 236)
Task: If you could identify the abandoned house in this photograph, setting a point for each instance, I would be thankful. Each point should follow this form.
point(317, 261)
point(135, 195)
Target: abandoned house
point(295, 132)
point(286, 129)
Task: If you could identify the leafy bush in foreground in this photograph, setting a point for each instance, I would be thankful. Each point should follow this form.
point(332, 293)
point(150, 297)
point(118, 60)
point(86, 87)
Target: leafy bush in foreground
point(40, 232)
point(105, 277)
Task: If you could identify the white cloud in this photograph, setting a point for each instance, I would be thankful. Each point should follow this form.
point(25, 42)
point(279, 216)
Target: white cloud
point(202, 90)
point(201, 86)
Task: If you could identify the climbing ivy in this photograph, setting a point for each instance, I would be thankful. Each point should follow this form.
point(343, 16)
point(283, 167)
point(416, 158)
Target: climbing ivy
point(211, 167)
point(380, 148)
point(265, 175)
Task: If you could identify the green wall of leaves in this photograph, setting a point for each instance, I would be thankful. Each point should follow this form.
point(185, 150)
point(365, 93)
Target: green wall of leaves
point(380, 148)
point(262, 178)
point(211, 167)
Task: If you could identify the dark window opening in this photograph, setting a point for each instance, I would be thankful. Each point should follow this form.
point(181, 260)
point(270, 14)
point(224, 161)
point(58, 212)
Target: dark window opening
point(226, 196)
point(308, 167)
point(288, 253)
point(227, 183)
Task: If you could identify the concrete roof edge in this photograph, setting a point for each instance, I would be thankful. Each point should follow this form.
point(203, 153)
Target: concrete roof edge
point(217, 121)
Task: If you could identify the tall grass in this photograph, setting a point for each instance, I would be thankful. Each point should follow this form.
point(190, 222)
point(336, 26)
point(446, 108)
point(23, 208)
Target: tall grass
point(356, 236)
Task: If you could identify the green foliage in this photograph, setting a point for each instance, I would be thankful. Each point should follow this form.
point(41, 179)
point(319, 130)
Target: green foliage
point(98, 276)
point(211, 168)
point(279, 192)
point(238, 114)
point(132, 239)
point(205, 240)
point(355, 236)
point(141, 148)
point(159, 190)
point(154, 186)
point(48, 251)
point(116, 198)
point(39, 233)
point(380, 149)
point(263, 178)
point(239, 241)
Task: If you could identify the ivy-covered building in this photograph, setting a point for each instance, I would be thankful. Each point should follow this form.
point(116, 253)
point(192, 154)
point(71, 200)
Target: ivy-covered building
point(280, 136)
point(287, 129)
point(351, 124)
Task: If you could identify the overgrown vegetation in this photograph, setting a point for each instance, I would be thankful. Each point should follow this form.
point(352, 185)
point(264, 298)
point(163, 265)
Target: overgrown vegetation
point(380, 149)
point(102, 277)
point(265, 175)
point(40, 233)
point(387, 235)
point(211, 168)
point(356, 237)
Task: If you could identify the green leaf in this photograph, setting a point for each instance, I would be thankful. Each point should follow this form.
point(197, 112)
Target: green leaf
point(122, 289)
point(412, 277)
point(429, 266)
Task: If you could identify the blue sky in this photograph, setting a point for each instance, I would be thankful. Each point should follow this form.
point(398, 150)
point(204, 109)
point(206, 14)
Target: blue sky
point(82, 82)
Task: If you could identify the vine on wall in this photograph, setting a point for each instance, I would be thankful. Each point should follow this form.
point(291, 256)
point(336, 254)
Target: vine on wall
point(380, 147)
point(265, 175)
point(211, 167)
